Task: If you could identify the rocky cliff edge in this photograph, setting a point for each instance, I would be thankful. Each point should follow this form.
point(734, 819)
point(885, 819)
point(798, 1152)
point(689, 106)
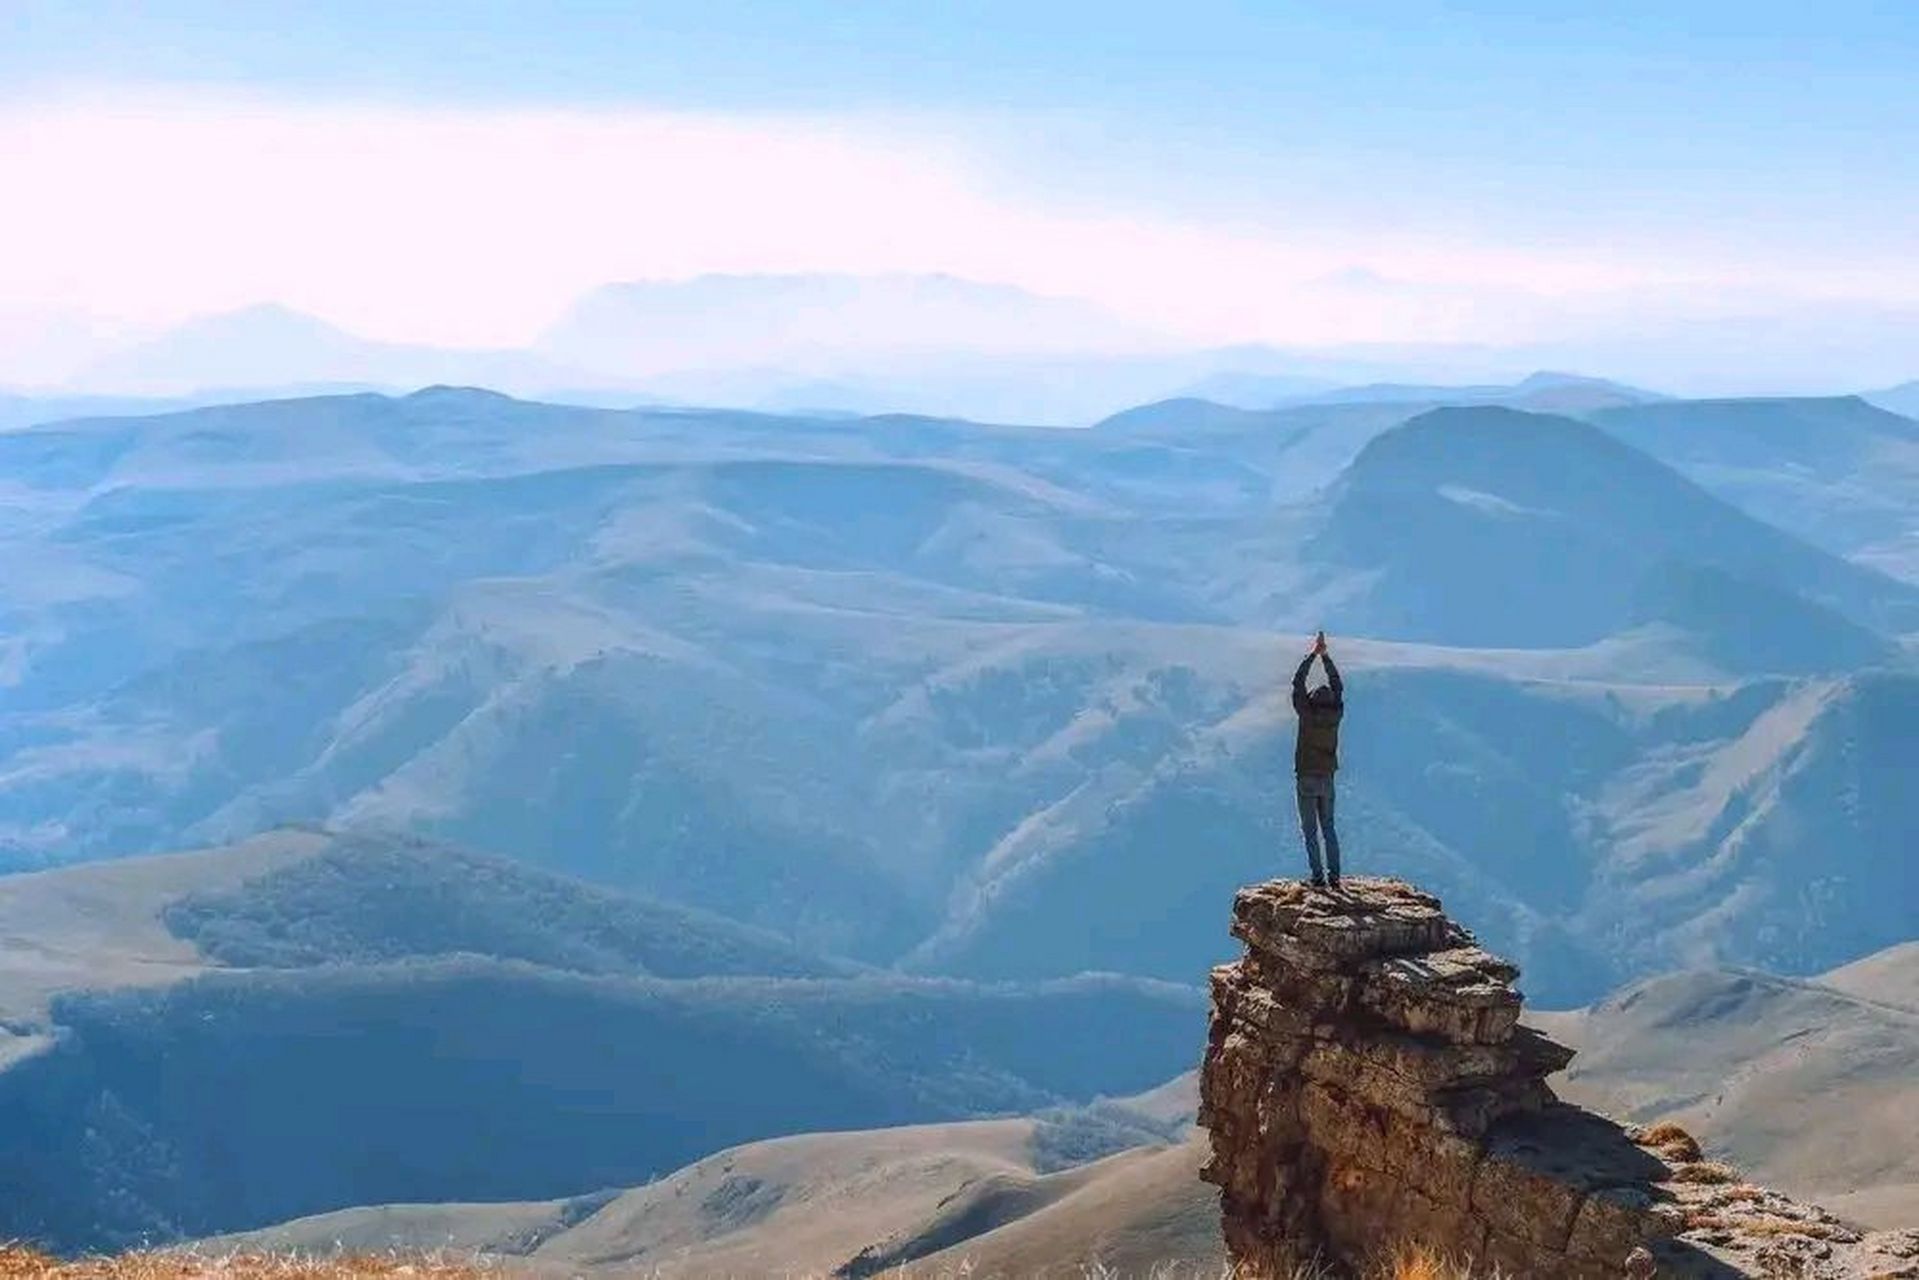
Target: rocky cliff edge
point(1368, 1083)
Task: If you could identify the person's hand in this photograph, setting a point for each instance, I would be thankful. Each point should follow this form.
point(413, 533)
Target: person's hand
point(1319, 643)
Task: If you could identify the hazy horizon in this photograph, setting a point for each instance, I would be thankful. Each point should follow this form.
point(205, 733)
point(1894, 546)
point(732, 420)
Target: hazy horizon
point(1639, 200)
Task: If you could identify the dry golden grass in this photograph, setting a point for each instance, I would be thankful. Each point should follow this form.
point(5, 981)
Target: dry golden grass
point(20, 1263)
point(1671, 1141)
point(1760, 1226)
point(1705, 1173)
point(1784, 1227)
point(1407, 1262)
point(16, 1263)
point(1419, 1262)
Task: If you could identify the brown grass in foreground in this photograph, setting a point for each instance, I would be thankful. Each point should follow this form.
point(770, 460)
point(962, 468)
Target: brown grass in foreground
point(1706, 1173)
point(1407, 1262)
point(1417, 1262)
point(20, 1263)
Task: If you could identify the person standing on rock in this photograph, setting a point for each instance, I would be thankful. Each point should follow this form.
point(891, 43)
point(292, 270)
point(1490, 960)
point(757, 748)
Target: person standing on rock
point(1316, 759)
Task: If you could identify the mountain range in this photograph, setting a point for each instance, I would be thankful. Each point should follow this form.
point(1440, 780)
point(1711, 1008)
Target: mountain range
point(192, 1017)
point(897, 687)
point(684, 741)
point(844, 343)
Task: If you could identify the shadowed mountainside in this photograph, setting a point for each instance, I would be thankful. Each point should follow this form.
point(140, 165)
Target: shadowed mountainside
point(155, 1093)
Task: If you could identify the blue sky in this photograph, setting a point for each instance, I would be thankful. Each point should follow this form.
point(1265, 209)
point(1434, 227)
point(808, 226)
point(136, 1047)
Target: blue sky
point(1747, 157)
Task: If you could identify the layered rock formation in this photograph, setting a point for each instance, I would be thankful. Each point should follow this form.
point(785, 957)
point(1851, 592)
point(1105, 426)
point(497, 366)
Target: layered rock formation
point(1368, 1083)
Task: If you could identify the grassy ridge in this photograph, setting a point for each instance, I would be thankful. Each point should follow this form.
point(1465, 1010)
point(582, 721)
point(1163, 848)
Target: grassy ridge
point(378, 899)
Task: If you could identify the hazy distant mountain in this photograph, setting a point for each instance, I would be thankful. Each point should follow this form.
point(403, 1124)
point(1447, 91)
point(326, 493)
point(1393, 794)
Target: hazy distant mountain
point(1487, 526)
point(1298, 451)
point(1244, 390)
point(27, 411)
point(870, 344)
point(269, 345)
point(742, 321)
point(1837, 471)
point(823, 343)
point(1064, 389)
point(1903, 398)
point(780, 343)
point(1542, 392)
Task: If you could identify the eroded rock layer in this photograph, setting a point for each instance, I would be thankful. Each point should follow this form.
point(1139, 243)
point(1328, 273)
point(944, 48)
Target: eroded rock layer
point(1368, 1083)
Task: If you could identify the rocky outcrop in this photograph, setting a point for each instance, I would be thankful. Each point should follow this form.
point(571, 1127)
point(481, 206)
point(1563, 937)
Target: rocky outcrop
point(1368, 1083)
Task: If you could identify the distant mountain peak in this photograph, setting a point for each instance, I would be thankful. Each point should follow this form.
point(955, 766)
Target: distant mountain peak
point(447, 393)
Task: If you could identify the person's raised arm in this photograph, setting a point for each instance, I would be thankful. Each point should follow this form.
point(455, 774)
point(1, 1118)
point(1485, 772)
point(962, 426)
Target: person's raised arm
point(1299, 682)
point(1332, 675)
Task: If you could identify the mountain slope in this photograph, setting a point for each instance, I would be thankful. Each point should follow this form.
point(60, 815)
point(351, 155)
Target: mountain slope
point(1450, 519)
point(1594, 832)
point(393, 991)
point(297, 898)
point(1803, 1085)
point(1902, 399)
point(1778, 846)
point(921, 1199)
point(1840, 472)
point(1884, 977)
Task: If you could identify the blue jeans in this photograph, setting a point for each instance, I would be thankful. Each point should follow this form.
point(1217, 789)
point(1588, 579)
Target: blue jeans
point(1316, 795)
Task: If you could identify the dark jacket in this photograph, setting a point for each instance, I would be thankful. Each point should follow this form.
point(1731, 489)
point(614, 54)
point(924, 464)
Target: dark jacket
point(1317, 752)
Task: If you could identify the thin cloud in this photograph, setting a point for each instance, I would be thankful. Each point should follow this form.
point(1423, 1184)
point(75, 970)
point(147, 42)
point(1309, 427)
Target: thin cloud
point(475, 226)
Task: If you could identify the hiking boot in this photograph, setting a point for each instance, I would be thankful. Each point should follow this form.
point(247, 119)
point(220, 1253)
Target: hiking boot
point(1333, 883)
point(1319, 880)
